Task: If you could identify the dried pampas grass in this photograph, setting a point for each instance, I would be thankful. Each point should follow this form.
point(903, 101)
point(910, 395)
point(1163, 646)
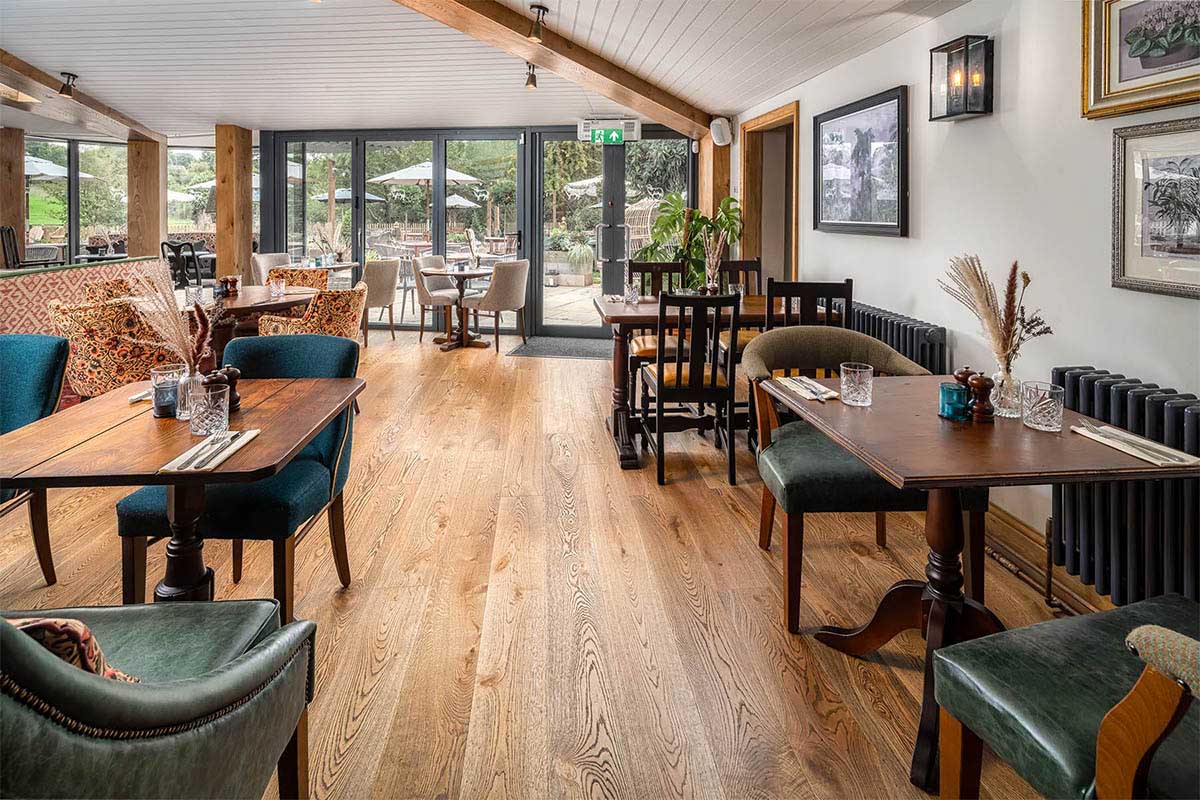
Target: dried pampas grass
point(154, 296)
point(1005, 327)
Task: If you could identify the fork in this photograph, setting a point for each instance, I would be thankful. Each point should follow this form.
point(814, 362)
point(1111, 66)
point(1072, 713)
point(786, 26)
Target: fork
point(1145, 447)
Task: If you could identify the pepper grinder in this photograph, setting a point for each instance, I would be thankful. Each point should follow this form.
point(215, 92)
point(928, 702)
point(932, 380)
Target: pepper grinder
point(981, 406)
point(963, 376)
point(232, 374)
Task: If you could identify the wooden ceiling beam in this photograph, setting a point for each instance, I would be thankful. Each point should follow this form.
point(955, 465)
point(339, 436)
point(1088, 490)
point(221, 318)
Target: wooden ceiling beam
point(506, 29)
point(82, 109)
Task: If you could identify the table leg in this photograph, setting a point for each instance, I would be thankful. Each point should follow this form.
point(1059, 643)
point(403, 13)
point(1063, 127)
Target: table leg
point(619, 424)
point(937, 606)
point(186, 578)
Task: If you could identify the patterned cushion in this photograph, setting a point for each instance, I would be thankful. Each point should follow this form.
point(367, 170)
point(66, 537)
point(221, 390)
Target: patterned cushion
point(333, 312)
point(1169, 652)
point(300, 276)
point(113, 289)
point(111, 345)
point(73, 642)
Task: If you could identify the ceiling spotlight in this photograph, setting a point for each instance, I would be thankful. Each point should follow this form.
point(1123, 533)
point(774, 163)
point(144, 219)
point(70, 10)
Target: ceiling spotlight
point(539, 14)
point(68, 87)
point(531, 77)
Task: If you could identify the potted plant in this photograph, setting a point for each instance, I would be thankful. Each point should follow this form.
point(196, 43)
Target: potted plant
point(1167, 35)
point(679, 233)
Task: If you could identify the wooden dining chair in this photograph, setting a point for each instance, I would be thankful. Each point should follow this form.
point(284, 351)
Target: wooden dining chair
point(810, 302)
point(651, 278)
point(182, 256)
point(691, 375)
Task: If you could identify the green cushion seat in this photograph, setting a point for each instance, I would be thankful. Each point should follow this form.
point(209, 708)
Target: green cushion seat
point(808, 472)
point(272, 508)
point(202, 636)
point(1036, 696)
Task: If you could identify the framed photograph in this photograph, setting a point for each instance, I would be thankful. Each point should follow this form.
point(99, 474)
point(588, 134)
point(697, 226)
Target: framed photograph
point(1139, 55)
point(1156, 208)
point(860, 166)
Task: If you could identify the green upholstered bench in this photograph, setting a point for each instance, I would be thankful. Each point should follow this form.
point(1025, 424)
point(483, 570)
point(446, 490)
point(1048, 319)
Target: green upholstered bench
point(1037, 695)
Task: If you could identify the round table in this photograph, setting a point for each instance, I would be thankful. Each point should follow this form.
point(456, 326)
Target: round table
point(250, 300)
point(461, 337)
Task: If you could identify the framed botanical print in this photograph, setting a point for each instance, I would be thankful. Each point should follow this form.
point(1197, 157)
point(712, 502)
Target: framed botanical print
point(1156, 208)
point(1139, 55)
point(860, 166)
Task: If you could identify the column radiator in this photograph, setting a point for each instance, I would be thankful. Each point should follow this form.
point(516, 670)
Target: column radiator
point(1131, 539)
point(922, 342)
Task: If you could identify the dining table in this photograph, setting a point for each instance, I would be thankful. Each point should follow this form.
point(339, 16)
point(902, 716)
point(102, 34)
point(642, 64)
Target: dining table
point(249, 301)
point(110, 441)
point(625, 319)
point(901, 437)
point(462, 336)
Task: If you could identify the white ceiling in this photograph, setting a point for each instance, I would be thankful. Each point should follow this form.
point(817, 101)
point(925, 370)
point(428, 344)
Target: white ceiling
point(179, 67)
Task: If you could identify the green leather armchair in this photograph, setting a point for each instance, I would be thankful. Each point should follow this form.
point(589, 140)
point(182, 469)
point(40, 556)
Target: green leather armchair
point(222, 700)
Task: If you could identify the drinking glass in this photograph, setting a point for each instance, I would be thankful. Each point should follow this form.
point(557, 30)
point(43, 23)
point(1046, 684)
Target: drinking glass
point(1042, 405)
point(631, 293)
point(856, 383)
point(278, 287)
point(193, 295)
point(210, 409)
point(165, 380)
point(952, 401)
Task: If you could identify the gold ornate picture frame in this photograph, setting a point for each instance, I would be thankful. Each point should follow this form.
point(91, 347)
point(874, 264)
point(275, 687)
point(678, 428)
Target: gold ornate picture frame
point(1139, 55)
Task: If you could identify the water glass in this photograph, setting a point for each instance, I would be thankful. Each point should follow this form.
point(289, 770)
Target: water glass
point(193, 295)
point(210, 409)
point(631, 293)
point(1042, 405)
point(952, 401)
point(738, 288)
point(857, 382)
point(278, 287)
point(165, 381)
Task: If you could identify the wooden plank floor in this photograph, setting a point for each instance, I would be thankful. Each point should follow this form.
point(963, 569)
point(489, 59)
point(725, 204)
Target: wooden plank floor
point(526, 620)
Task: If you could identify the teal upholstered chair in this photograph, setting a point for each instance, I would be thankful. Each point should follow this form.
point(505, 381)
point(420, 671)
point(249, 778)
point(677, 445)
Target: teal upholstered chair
point(1097, 705)
point(222, 700)
point(281, 508)
point(805, 472)
point(32, 367)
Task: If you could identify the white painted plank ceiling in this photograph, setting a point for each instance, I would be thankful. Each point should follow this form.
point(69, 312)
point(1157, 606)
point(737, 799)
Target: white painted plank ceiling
point(179, 66)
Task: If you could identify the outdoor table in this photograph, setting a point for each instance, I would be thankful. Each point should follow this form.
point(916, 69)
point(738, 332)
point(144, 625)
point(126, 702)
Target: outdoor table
point(463, 336)
point(902, 438)
point(109, 441)
point(88, 258)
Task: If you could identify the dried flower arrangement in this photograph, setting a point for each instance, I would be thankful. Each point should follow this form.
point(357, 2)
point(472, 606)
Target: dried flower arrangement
point(329, 238)
point(714, 248)
point(1006, 327)
point(154, 295)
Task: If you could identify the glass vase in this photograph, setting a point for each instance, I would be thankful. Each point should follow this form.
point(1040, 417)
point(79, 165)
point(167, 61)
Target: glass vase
point(1006, 395)
point(183, 397)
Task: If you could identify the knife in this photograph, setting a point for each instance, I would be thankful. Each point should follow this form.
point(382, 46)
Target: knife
point(213, 441)
point(817, 388)
point(803, 390)
point(1136, 442)
point(220, 449)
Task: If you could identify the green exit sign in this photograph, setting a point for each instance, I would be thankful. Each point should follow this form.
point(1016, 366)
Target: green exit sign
point(608, 136)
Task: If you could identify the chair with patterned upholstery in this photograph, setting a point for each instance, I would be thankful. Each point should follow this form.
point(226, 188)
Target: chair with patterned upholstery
point(332, 312)
point(506, 292)
point(1098, 705)
point(262, 263)
point(111, 345)
point(308, 277)
point(281, 509)
point(807, 473)
point(33, 367)
point(220, 703)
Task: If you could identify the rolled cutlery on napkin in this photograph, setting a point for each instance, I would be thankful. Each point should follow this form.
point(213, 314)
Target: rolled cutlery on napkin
point(210, 453)
point(140, 396)
point(1136, 446)
point(810, 388)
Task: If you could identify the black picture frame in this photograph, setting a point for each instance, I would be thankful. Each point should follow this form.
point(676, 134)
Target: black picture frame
point(899, 96)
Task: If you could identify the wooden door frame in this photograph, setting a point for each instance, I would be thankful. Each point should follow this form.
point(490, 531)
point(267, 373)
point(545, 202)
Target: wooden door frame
point(750, 170)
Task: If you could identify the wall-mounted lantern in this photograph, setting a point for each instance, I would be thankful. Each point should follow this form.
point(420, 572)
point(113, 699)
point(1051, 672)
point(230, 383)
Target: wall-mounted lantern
point(960, 78)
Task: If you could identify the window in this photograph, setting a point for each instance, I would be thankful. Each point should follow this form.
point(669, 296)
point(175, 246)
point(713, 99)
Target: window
point(48, 219)
point(102, 195)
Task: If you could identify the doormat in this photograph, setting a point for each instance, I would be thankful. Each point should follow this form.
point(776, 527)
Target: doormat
point(564, 347)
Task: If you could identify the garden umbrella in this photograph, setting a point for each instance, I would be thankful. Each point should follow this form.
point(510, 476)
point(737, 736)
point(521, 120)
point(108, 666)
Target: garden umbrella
point(422, 175)
point(458, 201)
point(344, 196)
point(41, 169)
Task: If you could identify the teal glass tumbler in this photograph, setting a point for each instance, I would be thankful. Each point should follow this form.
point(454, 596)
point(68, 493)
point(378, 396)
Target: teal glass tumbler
point(952, 402)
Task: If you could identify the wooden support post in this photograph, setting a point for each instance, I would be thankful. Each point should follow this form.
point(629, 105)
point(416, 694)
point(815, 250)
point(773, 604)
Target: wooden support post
point(147, 172)
point(12, 182)
point(714, 175)
point(235, 221)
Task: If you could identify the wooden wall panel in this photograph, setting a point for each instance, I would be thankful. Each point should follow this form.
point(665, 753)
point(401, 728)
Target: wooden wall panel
point(12, 182)
point(147, 171)
point(235, 222)
point(750, 175)
point(713, 171)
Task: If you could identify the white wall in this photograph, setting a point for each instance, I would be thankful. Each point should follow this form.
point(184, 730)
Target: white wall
point(1030, 182)
point(775, 216)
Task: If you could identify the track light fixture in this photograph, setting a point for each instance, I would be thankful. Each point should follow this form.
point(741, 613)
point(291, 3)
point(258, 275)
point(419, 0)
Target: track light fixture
point(530, 76)
point(68, 87)
point(539, 14)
